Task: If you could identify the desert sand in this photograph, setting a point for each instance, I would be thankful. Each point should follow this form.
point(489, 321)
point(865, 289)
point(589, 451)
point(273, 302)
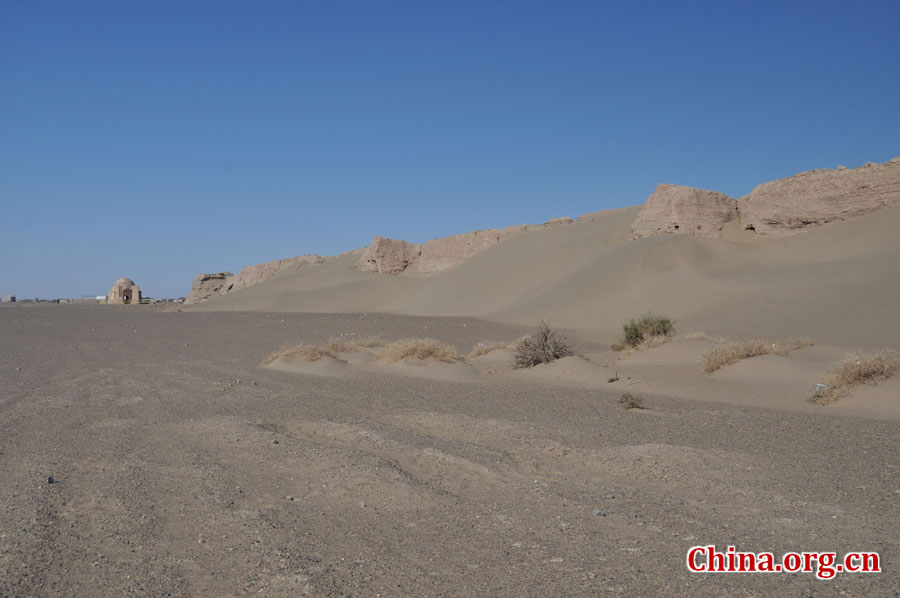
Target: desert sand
point(193, 452)
point(838, 283)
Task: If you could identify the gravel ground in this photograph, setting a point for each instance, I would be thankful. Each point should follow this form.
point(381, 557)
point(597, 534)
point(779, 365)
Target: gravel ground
point(181, 468)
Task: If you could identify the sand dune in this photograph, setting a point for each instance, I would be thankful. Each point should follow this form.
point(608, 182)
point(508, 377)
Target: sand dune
point(839, 282)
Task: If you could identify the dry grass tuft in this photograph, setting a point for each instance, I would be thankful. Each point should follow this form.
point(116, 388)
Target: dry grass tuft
point(630, 401)
point(543, 346)
point(351, 344)
point(332, 348)
point(727, 354)
point(784, 348)
point(485, 347)
point(853, 370)
point(419, 348)
point(693, 336)
point(305, 352)
point(719, 356)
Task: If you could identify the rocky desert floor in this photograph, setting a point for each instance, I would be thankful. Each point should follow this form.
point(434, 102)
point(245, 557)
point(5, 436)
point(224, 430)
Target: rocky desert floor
point(181, 467)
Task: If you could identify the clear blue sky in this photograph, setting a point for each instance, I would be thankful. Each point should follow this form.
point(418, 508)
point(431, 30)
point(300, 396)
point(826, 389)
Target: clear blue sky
point(157, 140)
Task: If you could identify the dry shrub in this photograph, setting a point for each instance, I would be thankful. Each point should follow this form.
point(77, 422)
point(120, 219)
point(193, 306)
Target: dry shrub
point(855, 369)
point(543, 346)
point(419, 348)
point(485, 347)
point(630, 401)
point(727, 354)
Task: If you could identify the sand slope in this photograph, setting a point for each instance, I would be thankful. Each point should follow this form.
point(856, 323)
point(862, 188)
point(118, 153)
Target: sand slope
point(839, 283)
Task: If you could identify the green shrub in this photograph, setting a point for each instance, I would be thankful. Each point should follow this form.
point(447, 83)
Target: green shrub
point(648, 326)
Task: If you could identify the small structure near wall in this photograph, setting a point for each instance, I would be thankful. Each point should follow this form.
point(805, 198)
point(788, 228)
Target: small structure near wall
point(8, 299)
point(124, 292)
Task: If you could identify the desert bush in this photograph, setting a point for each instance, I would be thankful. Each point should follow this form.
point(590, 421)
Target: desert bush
point(485, 347)
point(647, 326)
point(730, 353)
point(419, 348)
point(855, 369)
point(543, 346)
point(630, 401)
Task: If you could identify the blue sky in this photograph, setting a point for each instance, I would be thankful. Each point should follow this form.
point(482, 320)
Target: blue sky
point(157, 140)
